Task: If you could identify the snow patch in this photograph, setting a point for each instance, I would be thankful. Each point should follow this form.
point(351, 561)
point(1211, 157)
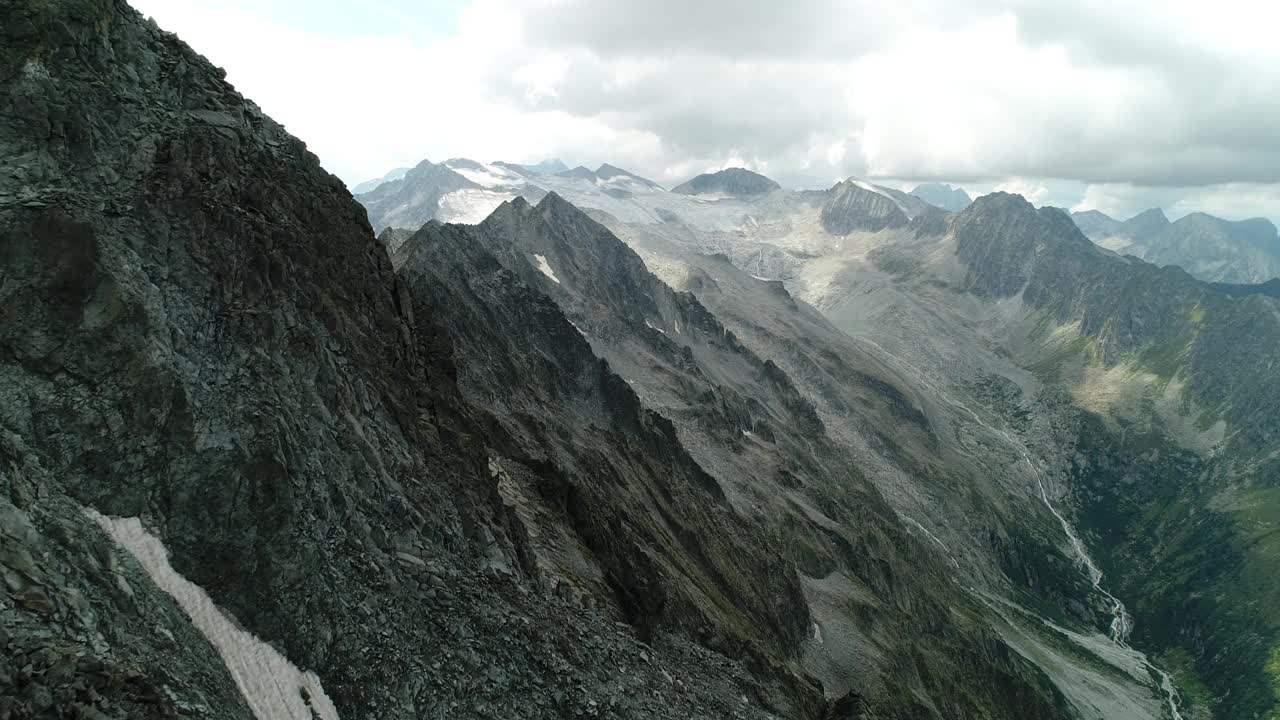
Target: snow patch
point(545, 269)
point(470, 206)
point(489, 177)
point(872, 188)
point(273, 687)
point(651, 327)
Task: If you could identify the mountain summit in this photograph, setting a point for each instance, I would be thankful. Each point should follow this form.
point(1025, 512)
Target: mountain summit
point(730, 181)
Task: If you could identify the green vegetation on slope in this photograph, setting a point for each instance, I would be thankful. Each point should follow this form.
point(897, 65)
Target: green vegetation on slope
point(1197, 573)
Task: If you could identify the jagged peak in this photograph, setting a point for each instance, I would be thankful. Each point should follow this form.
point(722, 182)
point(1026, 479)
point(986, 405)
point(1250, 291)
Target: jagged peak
point(554, 202)
point(1000, 199)
point(1149, 215)
point(1098, 214)
point(607, 171)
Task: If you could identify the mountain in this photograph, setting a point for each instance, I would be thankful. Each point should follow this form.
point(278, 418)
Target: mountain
point(853, 205)
point(418, 196)
point(943, 196)
point(224, 409)
point(1155, 387)
point(1208, 247)
point(730, 181)
point(546, 167)
point(610, 172)
point(1086, 406)
point(744, 422)
point(369, 185)
point(988, 493)
point(607, 173)
point(466, 191)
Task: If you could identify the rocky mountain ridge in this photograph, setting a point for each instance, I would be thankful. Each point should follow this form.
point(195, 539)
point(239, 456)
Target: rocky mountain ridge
point(1210, 248)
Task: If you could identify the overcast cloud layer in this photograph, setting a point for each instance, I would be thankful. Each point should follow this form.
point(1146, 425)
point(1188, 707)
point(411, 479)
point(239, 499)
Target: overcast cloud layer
point(1116, 105)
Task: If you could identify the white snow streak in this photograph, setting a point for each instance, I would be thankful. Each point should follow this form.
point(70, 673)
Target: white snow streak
point(872, 188)
point(272, 686)
point(546, 268)
point(470, 206)
point(489, 176)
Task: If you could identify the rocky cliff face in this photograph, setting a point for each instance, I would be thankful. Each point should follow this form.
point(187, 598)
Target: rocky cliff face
point(851, 206)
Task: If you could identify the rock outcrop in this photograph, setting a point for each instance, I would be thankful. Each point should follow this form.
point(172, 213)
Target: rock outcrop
point(851, 206)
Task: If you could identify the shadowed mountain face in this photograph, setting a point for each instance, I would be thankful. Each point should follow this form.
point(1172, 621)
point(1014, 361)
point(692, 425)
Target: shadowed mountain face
point(854, 206)
point(1210, 248)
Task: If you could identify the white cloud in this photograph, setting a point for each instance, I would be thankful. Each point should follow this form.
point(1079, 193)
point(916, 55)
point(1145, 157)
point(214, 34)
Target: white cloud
point(1152, 94)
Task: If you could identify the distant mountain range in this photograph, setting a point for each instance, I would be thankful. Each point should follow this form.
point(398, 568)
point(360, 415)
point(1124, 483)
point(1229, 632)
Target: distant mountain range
point(944, 196)
point(1210, 248)
point(463, 190)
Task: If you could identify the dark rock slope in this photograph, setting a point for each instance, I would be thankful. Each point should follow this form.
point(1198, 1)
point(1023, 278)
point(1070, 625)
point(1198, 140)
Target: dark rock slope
point(852, 207)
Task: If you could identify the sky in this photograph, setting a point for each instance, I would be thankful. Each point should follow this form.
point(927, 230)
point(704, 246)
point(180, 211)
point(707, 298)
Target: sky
point(1114, 105)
